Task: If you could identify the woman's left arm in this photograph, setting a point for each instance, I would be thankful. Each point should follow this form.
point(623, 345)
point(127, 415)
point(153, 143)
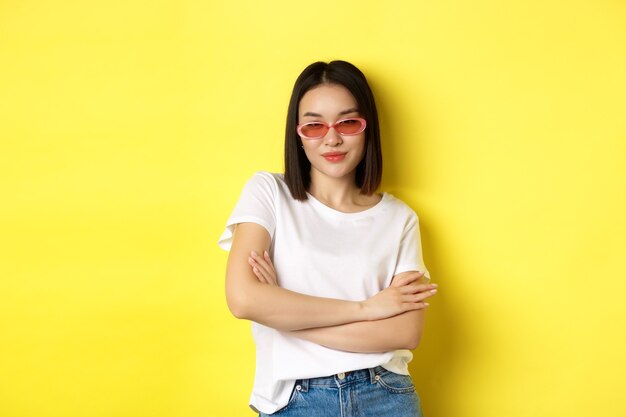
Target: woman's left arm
point(403, 331)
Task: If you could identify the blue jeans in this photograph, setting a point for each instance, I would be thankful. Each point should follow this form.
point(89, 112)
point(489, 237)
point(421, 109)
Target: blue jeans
point(374, 392)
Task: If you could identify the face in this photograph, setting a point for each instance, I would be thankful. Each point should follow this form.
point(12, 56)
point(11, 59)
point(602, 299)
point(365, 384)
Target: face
point(332, 155)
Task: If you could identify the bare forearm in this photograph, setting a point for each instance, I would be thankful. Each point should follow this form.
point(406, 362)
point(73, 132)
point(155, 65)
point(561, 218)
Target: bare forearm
point(286, 310)
point(399, 332)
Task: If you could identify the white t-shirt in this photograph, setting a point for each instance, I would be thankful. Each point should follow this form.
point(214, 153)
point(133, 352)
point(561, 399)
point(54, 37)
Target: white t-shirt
point(322, 252)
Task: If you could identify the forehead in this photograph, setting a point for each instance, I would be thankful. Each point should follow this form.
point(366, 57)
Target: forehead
point(327, 100)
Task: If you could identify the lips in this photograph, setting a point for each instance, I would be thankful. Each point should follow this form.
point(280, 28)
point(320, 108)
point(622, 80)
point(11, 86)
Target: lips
point(334, 156)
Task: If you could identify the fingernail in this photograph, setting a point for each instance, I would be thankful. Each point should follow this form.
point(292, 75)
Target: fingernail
point(433, 291)
point(426, 304)
point(254, 253)
point(266, 254)
point(434, 285)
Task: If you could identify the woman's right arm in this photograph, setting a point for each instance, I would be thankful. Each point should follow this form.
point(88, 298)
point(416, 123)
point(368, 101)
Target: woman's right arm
point(281, 309)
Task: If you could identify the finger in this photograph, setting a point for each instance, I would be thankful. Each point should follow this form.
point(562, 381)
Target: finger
point(253, 264)
point(262, 264)
point(260, 259)
point(419, 306)
point(406, 279)
point(265, 268)
point(417, 288)
point(258, 275)
point(258, 271)
point(416, 304)
point(269, 267)
point(270, 273)
point(262, 275)
point(273, 280)
point(416, 298)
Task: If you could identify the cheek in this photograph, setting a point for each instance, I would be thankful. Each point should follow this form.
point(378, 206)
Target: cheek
point(362, 149)
point(309, 145)
point(307, 148)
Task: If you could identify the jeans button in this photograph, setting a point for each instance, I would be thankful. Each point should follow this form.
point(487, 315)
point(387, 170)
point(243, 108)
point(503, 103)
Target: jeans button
point(298, 387)
point(341, 375)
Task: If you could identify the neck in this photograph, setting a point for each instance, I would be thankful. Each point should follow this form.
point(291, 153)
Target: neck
point(335, 192)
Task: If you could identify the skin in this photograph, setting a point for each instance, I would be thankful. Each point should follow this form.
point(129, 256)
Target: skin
point(333, 183)
point(391, 319)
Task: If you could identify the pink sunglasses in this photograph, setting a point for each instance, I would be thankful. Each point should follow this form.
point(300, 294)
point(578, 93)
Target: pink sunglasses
point(345, 127)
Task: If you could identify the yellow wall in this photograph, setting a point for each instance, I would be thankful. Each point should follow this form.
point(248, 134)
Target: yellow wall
point(128, 129)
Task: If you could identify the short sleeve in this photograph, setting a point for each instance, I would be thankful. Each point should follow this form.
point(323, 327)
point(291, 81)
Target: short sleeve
point(410, 256)
point(256, 204)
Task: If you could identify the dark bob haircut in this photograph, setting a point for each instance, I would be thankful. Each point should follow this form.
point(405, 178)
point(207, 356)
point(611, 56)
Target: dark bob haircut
point(297, 166)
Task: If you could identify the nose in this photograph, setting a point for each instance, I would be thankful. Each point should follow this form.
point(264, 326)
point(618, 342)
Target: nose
point(333, 138)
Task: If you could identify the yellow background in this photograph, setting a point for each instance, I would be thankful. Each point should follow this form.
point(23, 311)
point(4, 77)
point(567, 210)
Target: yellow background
point(128, 129)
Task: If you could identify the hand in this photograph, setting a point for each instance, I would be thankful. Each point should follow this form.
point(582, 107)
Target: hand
point(404, 294)
point(263, 268)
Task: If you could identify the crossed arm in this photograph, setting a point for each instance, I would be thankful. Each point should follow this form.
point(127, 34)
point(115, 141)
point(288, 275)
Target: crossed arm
point(391, 319)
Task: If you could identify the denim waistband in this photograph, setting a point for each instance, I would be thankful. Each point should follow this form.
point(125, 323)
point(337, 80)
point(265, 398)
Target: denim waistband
point(341, 379)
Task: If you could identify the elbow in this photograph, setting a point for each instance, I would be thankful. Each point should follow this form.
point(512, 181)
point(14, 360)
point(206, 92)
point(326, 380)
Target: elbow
point(239, 305)
point(243, 299)
point(238, 311)
point(239, 298)
point(414, 329)
point(412, 340)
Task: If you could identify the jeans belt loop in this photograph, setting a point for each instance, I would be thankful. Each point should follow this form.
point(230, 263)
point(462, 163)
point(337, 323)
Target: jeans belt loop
point(304, 383)
point(372, 375)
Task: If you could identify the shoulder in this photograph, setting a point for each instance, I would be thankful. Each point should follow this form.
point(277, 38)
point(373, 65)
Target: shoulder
point(402, 214)
point(264, 179)
point(399, 208)
point(270, 184)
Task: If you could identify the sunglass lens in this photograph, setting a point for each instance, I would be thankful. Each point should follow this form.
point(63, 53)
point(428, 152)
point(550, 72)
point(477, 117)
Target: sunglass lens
point(313, 130)
point(349, 126)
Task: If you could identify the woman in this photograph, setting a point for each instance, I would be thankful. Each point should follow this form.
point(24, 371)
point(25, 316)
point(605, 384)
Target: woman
point(329, 271)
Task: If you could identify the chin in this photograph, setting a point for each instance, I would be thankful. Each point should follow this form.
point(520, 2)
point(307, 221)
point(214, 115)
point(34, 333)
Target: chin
point(336, 172)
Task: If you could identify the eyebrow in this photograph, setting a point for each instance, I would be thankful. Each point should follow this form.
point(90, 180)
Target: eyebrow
point(341, 113)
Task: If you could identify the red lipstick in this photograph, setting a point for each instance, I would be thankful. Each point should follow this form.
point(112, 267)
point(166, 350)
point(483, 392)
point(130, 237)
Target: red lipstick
point(334, 156)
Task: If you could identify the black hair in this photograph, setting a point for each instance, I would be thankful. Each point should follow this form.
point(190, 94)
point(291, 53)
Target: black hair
point(297, 166)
